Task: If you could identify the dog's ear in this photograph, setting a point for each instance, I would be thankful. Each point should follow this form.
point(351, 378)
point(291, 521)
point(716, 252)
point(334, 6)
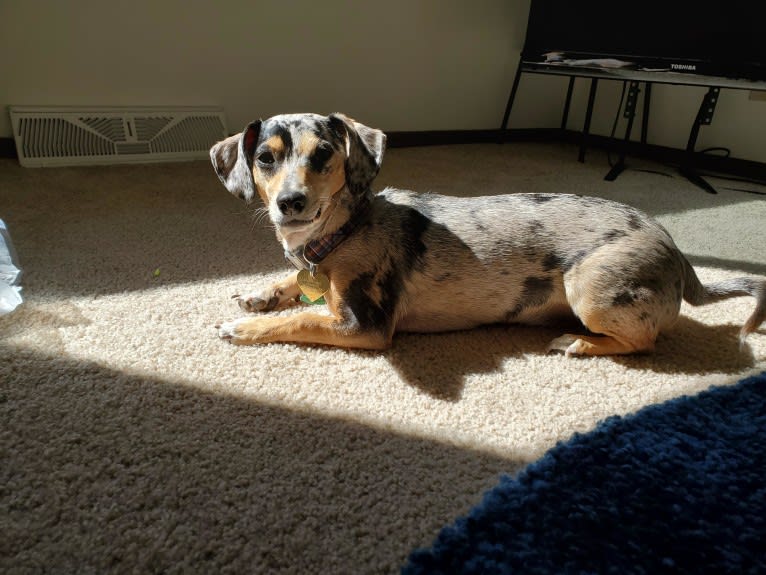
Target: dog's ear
point(233, 161)
point(364, 151)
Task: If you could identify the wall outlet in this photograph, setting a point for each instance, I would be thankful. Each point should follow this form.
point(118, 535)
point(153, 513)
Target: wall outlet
point(758, 95)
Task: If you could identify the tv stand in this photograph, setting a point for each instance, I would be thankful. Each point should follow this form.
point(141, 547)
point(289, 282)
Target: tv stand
point(704, 118)
point(635, 77)
point(630, 113)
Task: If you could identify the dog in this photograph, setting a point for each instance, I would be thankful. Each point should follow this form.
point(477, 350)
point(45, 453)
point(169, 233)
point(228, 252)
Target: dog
point(399, 261)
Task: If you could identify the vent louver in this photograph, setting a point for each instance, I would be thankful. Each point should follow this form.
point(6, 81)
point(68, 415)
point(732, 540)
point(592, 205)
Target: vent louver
point(69, 136)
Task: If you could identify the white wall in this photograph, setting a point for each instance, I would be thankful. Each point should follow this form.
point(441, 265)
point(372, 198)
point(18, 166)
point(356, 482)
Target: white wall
point(393, 64)
point(396, 64)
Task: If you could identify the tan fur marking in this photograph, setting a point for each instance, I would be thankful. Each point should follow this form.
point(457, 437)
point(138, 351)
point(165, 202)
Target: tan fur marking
point(288, 287)
point(307, 143)
point(268, 187)
point(331, 180)
point(265, 186)
point(595, 345)
point(632, 335)
point(276, 145)
point(306, 328)
point(327, 182)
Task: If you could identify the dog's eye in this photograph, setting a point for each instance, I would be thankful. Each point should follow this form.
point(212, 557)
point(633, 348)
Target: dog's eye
point(320, 157)
point(265, 158)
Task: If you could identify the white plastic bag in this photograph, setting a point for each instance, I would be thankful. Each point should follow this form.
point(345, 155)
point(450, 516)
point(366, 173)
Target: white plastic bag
point(10, 274)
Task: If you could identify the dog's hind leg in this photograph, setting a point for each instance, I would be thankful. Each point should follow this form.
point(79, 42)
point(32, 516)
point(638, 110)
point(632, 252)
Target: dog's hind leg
point(619, 324)
point(571, 344)
point(623, 317)
point(278, 296)
point(615, 331)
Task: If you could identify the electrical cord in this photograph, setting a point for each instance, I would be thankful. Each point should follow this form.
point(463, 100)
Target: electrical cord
point(727, 154)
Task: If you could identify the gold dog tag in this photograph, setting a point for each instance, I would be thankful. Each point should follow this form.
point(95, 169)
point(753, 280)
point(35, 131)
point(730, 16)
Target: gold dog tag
point(313, 287)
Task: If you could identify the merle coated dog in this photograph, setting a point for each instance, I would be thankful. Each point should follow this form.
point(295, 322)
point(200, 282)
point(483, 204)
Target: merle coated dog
point(402, 261)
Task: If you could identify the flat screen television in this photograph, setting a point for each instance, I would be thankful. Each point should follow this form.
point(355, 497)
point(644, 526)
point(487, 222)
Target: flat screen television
point(722, 39)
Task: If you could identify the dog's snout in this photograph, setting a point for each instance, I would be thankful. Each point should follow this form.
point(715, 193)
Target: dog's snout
point(291, 202)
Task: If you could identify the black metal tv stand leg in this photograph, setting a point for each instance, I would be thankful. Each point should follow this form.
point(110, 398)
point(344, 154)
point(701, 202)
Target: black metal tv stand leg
point(567, 103)
point(630, 114)
point(645, 116)
point(509, 105)
point(704, 117)
point(588, 116)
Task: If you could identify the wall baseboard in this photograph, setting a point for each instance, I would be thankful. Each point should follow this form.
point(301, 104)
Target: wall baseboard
point(452, 137)
point(709, 163)
point(746, 169)
point(705, 162)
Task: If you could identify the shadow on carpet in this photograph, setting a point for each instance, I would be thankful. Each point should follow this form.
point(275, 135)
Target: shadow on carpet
point(676, 488)
point(690, 347)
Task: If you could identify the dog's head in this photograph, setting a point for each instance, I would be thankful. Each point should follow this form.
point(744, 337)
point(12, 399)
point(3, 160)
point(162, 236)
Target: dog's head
point(300, 165)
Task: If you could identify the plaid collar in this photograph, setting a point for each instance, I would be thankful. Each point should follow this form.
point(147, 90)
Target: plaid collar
point(314, 251)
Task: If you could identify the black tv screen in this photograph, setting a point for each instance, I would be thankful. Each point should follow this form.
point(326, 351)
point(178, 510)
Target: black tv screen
point(724, 38)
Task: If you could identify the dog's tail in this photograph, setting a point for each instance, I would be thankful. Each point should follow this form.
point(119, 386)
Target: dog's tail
point(697, 293)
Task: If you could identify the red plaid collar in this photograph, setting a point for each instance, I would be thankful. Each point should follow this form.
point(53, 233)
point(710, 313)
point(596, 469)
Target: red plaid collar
point(316, 250)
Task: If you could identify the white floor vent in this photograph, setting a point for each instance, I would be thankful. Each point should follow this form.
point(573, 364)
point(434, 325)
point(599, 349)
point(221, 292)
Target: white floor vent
point(63, 136)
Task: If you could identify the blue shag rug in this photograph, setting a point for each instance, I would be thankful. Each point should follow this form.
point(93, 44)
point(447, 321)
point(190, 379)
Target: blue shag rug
point(678, 487)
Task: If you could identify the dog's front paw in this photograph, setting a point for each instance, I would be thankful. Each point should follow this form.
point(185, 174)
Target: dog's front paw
point(267, 300)
point(231, 330)
point(256, 302)
point(249, 330)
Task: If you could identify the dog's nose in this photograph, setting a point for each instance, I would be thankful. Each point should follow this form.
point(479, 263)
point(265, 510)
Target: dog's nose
point(291, 202)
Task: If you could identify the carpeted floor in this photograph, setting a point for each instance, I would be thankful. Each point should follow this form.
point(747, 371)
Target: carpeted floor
point(133, 440)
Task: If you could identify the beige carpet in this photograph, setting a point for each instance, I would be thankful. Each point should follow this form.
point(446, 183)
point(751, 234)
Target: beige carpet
point(133, 440)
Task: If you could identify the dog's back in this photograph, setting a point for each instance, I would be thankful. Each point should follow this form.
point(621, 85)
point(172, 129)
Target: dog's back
point(470, 261)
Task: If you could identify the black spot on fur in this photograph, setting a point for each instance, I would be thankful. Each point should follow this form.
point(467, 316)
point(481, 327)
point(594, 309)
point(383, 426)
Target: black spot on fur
point(282, 131)
point(373, 314)
point(369, 314)
point(390, 289)
point(614, 234)
point(551, 262)
point(653, 283)
point(535, 292)
point(476, 220)
point(624, 298)
point(535, 227)
point(573, 260)
point(541, 198)
point(634, 222)
point(320, 157)
point(330, 134)
point(357, 297)
point(563, 261)
point(414, 226)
